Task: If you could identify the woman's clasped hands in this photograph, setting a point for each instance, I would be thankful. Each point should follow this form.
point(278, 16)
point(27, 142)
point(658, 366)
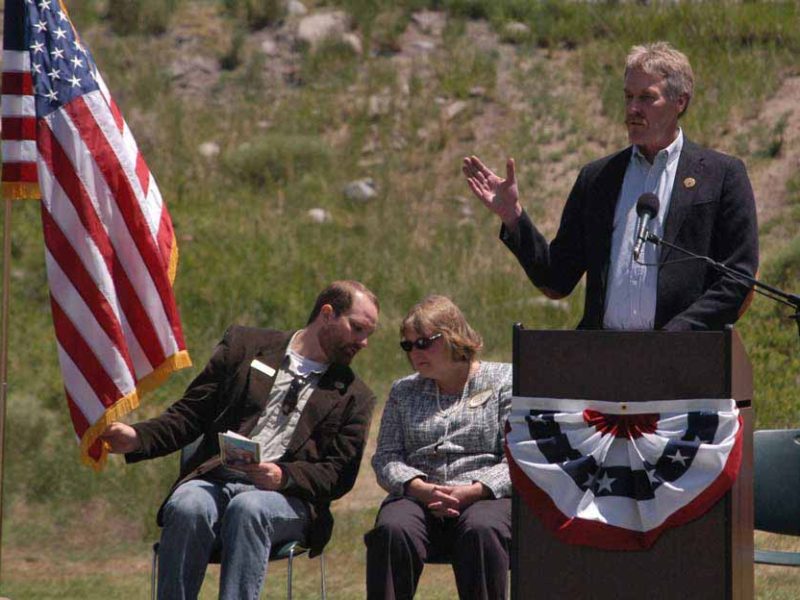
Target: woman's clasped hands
point(445, 501)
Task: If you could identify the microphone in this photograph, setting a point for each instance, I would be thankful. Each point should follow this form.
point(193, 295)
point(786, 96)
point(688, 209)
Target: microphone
point(646, 209)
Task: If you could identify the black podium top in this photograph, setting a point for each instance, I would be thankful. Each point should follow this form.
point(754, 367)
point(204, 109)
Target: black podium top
point(631, 366)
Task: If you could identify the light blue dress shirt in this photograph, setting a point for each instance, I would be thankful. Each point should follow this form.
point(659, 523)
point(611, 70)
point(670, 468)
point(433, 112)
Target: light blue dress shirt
point(632, 287)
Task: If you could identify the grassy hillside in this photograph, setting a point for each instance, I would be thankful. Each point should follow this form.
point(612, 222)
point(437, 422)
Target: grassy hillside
point(293, 124)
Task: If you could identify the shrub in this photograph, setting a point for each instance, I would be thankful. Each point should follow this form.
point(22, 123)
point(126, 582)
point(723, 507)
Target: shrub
point(277, 159)
point(128, 17)
point(465, 65)
point(334, 61)
point(385, 30)
point(231, 57)
point(257, 14)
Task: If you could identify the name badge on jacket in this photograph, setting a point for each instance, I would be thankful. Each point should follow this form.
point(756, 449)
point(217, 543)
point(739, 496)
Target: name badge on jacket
point(479, 399)
point(263, 367)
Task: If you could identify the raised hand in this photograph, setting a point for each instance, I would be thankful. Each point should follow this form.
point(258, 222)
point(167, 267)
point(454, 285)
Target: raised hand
point(500, 196)
point(120, 438)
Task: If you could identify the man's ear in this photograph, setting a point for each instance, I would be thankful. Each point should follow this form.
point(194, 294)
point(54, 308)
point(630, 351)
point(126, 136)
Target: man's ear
point(326, 311)
point(683, 104)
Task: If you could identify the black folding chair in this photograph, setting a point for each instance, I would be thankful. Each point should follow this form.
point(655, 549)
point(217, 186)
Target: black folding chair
point(776, 490)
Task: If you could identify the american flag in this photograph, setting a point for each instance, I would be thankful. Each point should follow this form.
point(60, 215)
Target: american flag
point(110, 249)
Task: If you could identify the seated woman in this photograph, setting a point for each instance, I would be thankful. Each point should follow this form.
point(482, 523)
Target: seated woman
point(440, 457)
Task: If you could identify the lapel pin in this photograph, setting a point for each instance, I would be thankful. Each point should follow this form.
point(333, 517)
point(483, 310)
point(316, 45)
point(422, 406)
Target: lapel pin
point(689, 182)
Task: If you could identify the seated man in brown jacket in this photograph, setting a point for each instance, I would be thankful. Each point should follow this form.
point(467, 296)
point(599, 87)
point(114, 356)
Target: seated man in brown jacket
point(294, 393)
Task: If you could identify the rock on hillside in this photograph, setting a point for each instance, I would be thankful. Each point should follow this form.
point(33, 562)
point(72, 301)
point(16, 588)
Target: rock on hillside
point(318, 27)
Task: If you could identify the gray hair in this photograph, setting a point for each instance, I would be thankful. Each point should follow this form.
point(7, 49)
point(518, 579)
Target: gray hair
point(661, 58)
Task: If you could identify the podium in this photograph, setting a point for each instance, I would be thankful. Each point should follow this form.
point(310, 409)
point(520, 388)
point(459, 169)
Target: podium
point(708, 558)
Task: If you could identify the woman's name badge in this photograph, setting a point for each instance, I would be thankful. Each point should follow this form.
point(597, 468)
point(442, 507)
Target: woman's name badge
point(479, 399)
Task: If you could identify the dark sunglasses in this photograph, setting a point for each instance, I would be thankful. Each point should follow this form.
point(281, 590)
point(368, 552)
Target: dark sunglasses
point(419, 343)
point(292, 395)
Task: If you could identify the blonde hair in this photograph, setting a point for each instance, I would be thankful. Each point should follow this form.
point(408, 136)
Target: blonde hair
point(661, 58)
point(439, 314)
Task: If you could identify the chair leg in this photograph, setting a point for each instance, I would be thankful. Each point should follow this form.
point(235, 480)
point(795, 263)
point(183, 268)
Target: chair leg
point(289, 575)
point(154, 572)
point(323, 587)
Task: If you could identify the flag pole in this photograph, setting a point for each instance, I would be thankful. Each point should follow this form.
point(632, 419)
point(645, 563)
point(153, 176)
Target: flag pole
point(4, 359)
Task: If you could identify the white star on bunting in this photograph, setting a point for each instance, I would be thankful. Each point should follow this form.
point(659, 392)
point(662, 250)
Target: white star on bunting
point(604, 483)
point(678, 457)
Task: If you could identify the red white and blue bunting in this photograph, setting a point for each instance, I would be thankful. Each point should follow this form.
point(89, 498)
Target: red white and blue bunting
point(615, 475)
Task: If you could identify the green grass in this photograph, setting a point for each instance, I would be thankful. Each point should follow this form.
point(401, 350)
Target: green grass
point(256, 13)
point(149, 17)
point(250, 255)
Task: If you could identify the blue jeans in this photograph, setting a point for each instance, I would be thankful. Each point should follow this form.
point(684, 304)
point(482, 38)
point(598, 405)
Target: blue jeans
point(246, 521)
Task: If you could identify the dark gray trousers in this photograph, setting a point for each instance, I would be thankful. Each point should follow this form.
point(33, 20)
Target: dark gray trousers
point(406, 535)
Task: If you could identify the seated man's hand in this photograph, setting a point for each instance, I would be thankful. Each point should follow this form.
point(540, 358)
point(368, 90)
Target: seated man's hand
point(120, 438)
point(265, 476)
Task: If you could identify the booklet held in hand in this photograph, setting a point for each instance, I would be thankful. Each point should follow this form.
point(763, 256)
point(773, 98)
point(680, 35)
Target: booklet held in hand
point(237, 450)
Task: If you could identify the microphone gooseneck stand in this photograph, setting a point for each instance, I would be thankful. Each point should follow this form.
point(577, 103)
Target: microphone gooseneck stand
point(744, 279)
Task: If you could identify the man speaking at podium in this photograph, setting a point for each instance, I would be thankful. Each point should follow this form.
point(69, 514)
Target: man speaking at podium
point(704, 204)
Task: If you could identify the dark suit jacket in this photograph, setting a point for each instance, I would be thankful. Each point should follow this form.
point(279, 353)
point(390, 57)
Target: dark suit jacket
point(324, 454)
point(713, 215)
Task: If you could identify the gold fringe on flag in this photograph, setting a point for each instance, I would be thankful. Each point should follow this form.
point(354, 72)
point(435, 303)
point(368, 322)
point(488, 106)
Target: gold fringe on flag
point(173, 260)
point(21, 191)
point(128, 403)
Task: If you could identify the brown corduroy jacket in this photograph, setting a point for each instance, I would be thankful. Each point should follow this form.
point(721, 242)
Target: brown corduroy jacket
point(325, 451)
